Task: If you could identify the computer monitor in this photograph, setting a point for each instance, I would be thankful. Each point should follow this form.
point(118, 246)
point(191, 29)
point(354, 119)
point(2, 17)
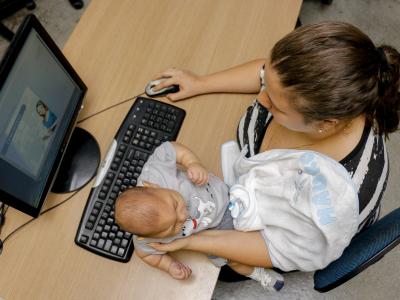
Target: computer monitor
point(40, 98)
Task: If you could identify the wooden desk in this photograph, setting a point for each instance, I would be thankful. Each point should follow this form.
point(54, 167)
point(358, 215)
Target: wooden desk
point(116, 48)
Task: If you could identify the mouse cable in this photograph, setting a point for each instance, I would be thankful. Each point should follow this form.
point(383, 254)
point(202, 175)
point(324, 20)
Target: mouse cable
point(110, 107)
point(2, 206)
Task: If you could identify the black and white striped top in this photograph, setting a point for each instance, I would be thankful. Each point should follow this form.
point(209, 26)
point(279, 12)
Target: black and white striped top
point(367, 164)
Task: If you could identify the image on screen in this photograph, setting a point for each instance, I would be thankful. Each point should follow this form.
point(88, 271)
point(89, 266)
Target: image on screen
point(29, 133)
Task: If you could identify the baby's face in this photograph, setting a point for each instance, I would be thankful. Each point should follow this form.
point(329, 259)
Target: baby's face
point(172, 210)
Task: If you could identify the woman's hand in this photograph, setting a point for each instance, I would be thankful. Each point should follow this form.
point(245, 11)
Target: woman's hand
point(189, 83)
point(197, 174)
point(178, 244)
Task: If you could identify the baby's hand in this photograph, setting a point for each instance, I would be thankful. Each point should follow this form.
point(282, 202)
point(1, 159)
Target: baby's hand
point(179, 271)
point(197, 174)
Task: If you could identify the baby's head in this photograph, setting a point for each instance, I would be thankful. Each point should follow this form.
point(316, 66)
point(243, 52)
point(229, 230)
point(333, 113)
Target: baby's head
point(151, 211)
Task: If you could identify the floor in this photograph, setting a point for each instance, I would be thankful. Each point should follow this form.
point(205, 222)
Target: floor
point(380, 20)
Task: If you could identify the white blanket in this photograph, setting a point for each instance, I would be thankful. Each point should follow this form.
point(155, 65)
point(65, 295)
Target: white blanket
point(304, 203)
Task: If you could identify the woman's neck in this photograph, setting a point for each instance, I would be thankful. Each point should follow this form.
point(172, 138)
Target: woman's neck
point(336, 143)
point(340, 130)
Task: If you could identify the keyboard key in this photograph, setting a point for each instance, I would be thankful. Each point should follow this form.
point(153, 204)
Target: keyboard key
point(121, 251)
point(130, 154)
point(89, 225)
point(114, 249)
point(108, 245)
point(84, 239)
point(100, 243)
point(124, 243)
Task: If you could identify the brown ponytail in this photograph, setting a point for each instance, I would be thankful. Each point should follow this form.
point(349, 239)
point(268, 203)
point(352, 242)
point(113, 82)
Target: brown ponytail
point(332, 70)
point(385, 112)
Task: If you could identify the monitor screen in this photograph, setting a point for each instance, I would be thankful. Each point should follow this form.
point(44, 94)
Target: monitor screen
point(40, 98)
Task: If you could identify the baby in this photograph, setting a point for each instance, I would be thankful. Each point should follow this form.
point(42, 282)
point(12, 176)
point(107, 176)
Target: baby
point(170, 203)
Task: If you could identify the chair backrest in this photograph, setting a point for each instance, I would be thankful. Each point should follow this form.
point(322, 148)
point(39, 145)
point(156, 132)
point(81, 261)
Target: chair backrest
point(365, 249)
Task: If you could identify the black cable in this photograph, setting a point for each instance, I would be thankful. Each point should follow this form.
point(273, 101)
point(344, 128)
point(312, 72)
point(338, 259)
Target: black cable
point(4, 210)
point(112, 106)
point(42, 213)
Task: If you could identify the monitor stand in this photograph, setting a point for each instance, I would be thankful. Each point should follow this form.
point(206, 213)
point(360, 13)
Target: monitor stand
point(79, 164)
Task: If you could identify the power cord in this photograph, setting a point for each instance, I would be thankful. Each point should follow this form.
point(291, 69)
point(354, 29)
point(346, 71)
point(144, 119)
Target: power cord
point(4, 208)
point(29, 221)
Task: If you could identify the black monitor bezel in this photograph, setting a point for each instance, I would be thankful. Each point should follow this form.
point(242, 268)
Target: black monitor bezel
point(31, 22)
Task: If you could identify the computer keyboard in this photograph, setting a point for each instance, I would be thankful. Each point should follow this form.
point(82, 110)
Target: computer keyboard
point(146, 126)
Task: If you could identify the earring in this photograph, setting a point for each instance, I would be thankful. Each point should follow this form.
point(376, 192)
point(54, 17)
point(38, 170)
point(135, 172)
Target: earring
point(320, 130)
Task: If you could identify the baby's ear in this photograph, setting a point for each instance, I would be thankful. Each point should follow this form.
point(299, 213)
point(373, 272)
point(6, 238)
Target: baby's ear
point(150, 184)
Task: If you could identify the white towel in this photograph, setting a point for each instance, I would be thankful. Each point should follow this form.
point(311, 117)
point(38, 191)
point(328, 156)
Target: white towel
point(305, 203)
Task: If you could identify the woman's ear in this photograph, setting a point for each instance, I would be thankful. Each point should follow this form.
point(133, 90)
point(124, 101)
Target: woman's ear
point(150, 184)
point(327, 125)
point(330, 123)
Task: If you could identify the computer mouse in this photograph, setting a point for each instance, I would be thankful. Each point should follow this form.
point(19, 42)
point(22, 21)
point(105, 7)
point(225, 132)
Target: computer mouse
point(167, 90)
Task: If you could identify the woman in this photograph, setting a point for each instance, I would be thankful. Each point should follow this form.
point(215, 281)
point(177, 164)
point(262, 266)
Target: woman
point(324, 87)
point(49, 119)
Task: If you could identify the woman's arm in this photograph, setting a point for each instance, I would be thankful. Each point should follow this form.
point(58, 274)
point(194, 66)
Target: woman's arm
point(239, 79)
point(243, 247)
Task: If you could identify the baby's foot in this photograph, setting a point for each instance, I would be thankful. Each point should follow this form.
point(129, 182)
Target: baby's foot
point(179, 271)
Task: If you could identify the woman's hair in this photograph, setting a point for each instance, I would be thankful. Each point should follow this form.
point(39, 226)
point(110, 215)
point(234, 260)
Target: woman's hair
point(332, 70)
point(41, 103)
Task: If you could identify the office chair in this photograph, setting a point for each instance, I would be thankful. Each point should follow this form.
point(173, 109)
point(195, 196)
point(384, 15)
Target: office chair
point(77, 4)
point(9, 7)
point(365, 249)
point(326, 2)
